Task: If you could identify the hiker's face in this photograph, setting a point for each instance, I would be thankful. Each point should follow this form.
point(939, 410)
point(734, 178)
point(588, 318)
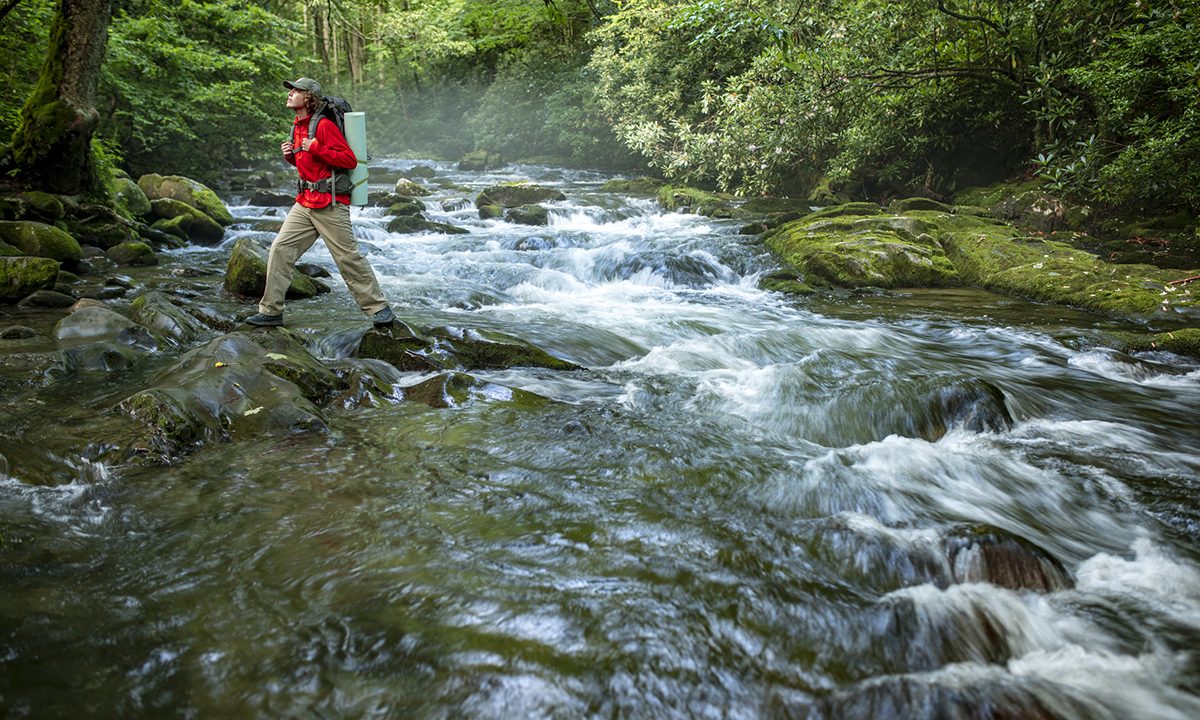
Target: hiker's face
point(296, 99)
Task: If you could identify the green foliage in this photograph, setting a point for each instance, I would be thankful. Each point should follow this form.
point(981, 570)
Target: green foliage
point(194, 87)
point(23, 47)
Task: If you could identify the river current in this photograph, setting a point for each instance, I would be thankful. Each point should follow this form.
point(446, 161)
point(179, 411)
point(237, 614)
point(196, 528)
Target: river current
point(739, 508)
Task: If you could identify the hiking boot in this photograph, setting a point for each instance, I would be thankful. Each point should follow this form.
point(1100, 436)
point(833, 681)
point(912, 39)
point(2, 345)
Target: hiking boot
point(384, 317)
point(261, 320)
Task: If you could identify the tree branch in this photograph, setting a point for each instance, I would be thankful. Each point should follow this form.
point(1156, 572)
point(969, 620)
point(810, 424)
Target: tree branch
point(990, 74)
point(6, 7)
point(941, 5)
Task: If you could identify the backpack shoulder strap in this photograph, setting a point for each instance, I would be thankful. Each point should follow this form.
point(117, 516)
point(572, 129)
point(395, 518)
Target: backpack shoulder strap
point(316, 118)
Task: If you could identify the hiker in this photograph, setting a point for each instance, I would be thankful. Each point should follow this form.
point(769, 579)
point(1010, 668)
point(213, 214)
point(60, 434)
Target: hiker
point(315, 213)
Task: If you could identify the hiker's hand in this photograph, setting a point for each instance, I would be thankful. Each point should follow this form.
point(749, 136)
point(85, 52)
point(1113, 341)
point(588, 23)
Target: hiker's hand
point(307, 143)
point(287, 147)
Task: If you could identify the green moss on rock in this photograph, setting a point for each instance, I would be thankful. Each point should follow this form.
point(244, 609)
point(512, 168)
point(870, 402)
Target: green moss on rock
point(133, 253)
point(409, 224)
point(693, 200)
point(246, 273)
point(182, 220)
point(1185, 341)
point(20, 276)
point(41, 240)
point(512, 195)
point(130, 196)
point(637, 186)
point(186, 190)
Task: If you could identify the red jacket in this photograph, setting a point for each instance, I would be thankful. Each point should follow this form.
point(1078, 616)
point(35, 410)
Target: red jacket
point(329, 149)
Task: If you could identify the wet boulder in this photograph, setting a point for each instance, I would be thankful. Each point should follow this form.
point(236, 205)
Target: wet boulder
point(137, 254)
point(221, 391)
point(981, 553)
point(188, 191)
point(183, 220)
point(20, 276)
point(99, 324)
point(41, 206)
point(100, 357)
point(271, 198)
point(41, 240)
point(513, 195)
point(408, 224)
point(7, 250)
point(408, 188)
point(974, 405)
point(489, 212)
point(528, 215)
point(411, 207)
point(17, 332)
point(168, 317)
point(454, 389)
point(399, 345)
point(246, 273)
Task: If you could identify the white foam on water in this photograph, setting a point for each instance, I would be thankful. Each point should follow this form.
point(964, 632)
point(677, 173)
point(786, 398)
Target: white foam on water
point(1111, 366)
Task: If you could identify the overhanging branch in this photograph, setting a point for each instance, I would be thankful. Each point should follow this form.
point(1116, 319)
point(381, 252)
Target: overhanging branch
point(941, 5)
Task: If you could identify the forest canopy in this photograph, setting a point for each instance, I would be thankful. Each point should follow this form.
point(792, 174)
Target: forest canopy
point(856, 98)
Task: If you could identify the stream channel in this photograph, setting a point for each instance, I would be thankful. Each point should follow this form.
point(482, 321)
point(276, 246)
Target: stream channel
point(743, 506)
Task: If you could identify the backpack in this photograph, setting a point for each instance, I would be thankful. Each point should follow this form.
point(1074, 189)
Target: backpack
point(334, 109)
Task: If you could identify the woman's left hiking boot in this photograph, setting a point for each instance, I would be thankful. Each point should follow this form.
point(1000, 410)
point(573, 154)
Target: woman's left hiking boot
point(384, 317)
point(261, 320)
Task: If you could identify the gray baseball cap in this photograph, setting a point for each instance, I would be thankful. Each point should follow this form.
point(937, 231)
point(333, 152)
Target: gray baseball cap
point(303, 84)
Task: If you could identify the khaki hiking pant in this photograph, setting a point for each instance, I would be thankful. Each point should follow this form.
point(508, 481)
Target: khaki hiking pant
point(299, 232)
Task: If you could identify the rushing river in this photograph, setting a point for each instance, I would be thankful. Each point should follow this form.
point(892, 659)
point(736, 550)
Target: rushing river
point(738, 509)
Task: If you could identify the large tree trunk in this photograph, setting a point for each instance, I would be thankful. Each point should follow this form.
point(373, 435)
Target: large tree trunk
point(51, 148)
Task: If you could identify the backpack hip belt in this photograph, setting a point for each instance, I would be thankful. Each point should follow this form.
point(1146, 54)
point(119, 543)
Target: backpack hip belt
point(341, 184)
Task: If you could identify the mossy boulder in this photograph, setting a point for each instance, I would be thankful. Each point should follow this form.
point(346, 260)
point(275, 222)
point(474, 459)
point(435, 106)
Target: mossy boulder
point(528, 215)
point(480, 160)
point(997, 258)
point(918, 203)
point(409, 224)
point(511, 195)
point(185, 190)
point(637, 186)
point(41, 206)
point(41, 240)
point(246, 273)
point(422, 171)
point(408, 188)
point(411, 208)
point(20, 276)
point(130, 195)
point(489, 212)
point(7, 250)
point(853, 251)
point(693, 200)
point(1185, 341)
point(101, 233)
point(1027, 204)
point(179, 218)
point(776, 205)
point(133, 254)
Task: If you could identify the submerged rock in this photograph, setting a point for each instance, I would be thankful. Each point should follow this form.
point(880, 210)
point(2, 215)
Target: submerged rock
point(453, 389)
point(981, 553)
point(99, 324)
point(974, 405)
point(169, 317)
point(17, 332)
point(449, 348)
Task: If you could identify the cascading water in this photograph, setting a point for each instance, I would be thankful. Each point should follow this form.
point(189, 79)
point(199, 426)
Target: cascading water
point(746, 505)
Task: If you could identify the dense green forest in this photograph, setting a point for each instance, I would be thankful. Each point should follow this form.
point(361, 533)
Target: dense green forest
point(849, 98)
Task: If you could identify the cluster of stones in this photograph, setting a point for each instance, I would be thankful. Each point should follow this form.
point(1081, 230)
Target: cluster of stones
point(56, 249)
